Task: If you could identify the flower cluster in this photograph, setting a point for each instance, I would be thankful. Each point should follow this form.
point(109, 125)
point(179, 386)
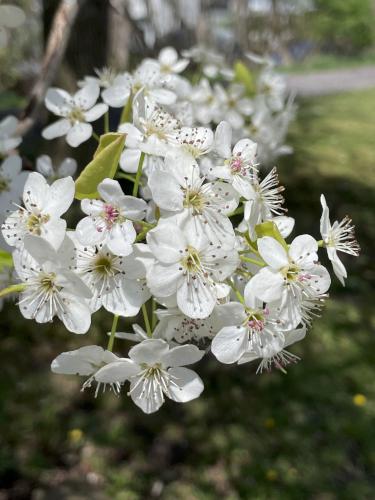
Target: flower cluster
point(255, 104)
point(201, 247)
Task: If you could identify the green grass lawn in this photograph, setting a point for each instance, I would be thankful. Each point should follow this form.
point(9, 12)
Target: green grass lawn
point(321, 62)
point(308, 434)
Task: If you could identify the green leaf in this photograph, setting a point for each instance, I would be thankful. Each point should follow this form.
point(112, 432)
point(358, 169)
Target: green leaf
point(6, 259)
point(269, 228)
point(243, 75)
point(103, 165)
point(12, 289)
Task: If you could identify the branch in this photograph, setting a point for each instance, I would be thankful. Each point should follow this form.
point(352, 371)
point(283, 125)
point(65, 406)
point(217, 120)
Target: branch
point(57, 42)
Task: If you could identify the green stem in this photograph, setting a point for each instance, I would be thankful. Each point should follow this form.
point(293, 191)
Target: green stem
point(95, 136)
point(106, 122)
point(236, 291)
point(238, 211)
point(153, 316)
point(139, 173)
point(113, 332)
point(252, 261)
point(121, 175)
point(146, 320)
point(127, 110)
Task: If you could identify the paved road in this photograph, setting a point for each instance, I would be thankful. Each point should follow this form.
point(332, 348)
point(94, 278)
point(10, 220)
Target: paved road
point(332, 81)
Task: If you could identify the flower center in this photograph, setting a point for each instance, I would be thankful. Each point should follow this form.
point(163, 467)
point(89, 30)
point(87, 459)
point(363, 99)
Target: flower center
point(34, 223)
point(47, 282)
point(76, 115)
point(103, 265)
point(191, 262)
point(195, 200)
point(291, 272)
point(256, 319)
point(112, 215)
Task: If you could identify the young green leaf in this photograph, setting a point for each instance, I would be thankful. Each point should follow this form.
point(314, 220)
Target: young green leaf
point(6, 259)
point(243, 75)
point(269, 228)
point(103, 165)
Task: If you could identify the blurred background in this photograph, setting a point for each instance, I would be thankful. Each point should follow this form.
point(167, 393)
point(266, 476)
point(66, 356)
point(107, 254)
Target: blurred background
point(308, 434)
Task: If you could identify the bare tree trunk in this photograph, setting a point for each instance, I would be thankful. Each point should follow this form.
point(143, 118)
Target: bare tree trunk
point(119, 30)
point(58, 38)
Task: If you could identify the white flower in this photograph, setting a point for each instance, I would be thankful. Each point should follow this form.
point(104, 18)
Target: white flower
point(273, 352)
point(10, 17)
point(238, 166)
point(264, 201)
point(273, 87)
point(8, 139)
point(169, 61)
point(77, 112)
point(155, 371)
point(85, 361)
point(233, 107)
point(205, 103)
point(188, 265)
point(254, 326)
point(45, 167)
point(290, 274)
point(44, 205)
point(117, 283)
point(179, 188)
point(337, 237)
point(151, 132)
point(110, 221)
point(12, 181)
point(173, 325)
point(105, 78)
point(146, 77)
point(193, 141)
point(51, 288)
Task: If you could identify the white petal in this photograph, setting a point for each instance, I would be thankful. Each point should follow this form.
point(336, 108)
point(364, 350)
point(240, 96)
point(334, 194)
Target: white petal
point(134, 208)
point(284, 224)
point(53, 231)
point(56, 129)
point(163, 279)
point(182, 355)
point(77, 316)
point(86, 232)
point(303, 250)
point(196, 298)
point(60, 196)
point(167, 249)
point(267, 285)
point(87, 96)
point(117, 371)
point(96, 112)
point(67, 168)
point(149, 351)
point(168, 56)
point(166, 191)
point(272, 252)
point(35, 192)
point(230, 344)
point(79, 133)
point(58, 101)
point(120, 238)
point(163, 96)
point(246, 149)
point(116, 96)
point(148, 404)
point(129, 160)
point(223, 139)
point(325, 225)
point(82, 361)
point(189, 385)
point(44, 165)
point(110, 190)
